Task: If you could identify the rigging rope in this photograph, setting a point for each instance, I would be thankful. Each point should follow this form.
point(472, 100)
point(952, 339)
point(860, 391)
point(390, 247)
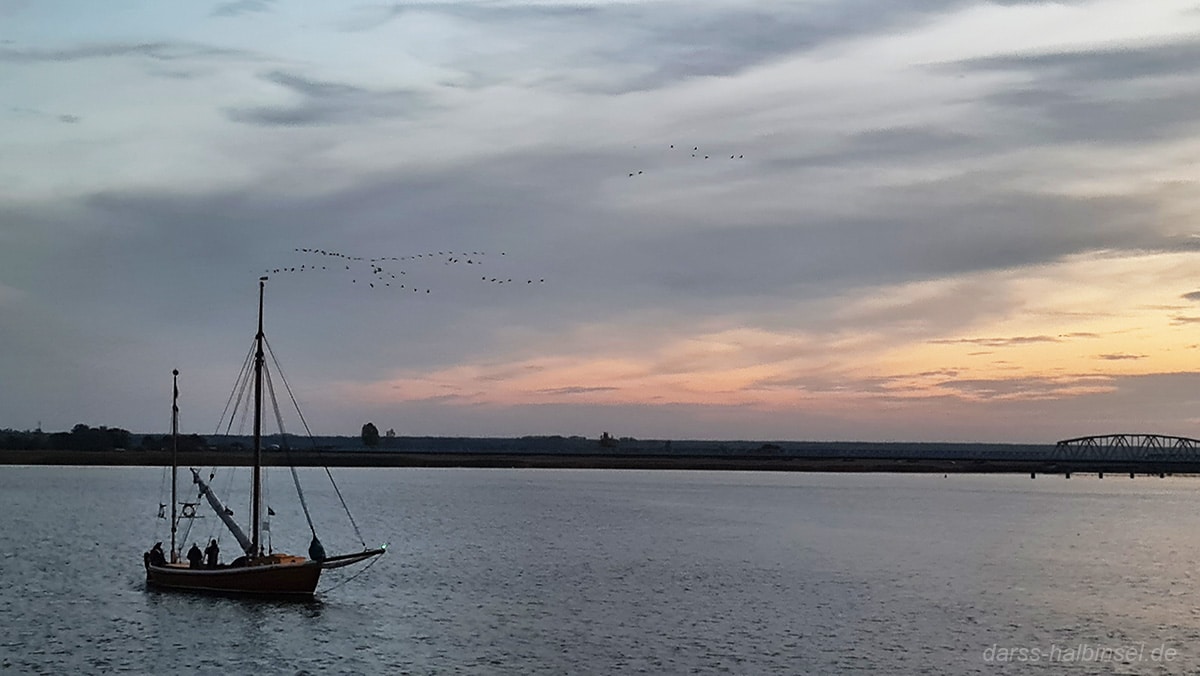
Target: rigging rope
point(239, 400)
point(308, 431)
point(241, 382)
point(360, 572)
point(286, 449)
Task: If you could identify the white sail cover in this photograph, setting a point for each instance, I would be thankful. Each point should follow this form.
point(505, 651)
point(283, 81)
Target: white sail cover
point(247, 546)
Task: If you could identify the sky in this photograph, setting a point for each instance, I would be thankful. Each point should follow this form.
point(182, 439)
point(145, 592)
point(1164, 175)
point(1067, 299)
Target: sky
point(871, 220)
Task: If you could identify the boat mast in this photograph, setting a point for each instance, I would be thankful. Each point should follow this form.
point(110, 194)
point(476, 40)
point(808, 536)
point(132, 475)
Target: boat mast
point(258, 376)
point(174, 457)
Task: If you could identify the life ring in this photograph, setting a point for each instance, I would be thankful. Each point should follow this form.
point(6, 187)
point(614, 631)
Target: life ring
point(189, 511)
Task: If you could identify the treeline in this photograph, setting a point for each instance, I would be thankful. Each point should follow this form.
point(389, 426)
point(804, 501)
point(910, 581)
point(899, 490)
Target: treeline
point(85, 438)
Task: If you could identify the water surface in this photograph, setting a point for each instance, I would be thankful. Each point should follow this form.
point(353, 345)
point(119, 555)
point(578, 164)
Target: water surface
point(559, 571)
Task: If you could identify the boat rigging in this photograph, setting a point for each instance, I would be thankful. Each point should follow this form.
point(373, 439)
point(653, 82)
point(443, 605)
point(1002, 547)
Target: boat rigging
point(258, 571)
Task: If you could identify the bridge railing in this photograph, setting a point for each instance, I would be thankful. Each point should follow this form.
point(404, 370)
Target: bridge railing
point(1129, 447)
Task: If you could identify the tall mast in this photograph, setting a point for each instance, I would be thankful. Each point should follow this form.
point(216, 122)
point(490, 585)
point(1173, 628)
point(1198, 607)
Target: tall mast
point(174, 456)
point(258, 376)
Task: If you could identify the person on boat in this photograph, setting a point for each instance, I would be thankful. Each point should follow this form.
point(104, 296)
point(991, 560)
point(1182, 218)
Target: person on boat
point(211, 552)
point(155, 556)
point(195, 557)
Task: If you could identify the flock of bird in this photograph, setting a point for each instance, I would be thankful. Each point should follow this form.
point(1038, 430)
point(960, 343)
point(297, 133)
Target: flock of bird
point(696, 153)
point(373, 274)
point(380, 277)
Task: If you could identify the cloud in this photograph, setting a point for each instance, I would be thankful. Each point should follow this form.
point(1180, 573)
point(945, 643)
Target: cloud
point(324, 103)
point(1109, 64)
point(239, 7)
point(920, 231)
point(158, 51)
point(1028, 388)
point(1089, 94)
point(996, 342)
point(649, 46)
point(1120, 357)
point(1192, 295)
point(1072, 116)
point(35, 113)
point(576, 390)
point(897, 144)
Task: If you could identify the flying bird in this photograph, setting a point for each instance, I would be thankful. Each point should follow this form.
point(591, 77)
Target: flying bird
point(376, 268)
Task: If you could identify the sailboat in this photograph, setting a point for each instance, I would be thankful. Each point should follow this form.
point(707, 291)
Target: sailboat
point(258, 571)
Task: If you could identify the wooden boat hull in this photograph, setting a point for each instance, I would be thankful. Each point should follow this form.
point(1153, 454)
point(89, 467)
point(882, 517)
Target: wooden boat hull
point(283, 579)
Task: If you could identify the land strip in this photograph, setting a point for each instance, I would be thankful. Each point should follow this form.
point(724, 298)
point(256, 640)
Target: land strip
point(741, 462)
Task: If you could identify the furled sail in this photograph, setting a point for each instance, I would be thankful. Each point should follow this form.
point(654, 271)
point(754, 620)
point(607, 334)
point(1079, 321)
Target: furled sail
point(219, 508)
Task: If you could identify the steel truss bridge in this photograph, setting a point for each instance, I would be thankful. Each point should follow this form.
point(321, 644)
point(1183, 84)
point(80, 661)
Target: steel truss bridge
point(1129, 448)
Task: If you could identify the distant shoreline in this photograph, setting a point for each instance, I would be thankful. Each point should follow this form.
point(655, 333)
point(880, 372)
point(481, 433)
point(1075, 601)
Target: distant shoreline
point(739, 462)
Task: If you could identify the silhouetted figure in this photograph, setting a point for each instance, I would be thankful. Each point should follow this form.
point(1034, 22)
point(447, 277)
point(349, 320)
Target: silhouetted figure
point(316, 551)
point(195, 556)
point(155, 556)
point(211, 552)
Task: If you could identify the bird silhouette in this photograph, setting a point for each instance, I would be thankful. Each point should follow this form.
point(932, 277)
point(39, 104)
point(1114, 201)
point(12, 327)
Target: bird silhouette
point(695, 153)
point(377, 269)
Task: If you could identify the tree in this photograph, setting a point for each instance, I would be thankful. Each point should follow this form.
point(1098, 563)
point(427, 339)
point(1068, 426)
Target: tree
point(370, 435)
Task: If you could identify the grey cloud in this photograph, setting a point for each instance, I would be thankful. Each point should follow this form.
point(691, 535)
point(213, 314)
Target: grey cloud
point(1100, 64)
point(939, 372)
point(997, 342)
point(1192, 295)
point(598, 261)
point(34, 112)
point(453, 399)
point(1120, 357)
point(1076, 96)
point(491, 12)
point(882, 385)
point(206, 248)
point(722, 260)
point(238, 7)
point(697, 44)
point(329, 103)
point(661, 44)
point(921, 232)
point(897, 143)
point(1069, 115)
point(576, 390)
point(159, 51)
point(1031, 387)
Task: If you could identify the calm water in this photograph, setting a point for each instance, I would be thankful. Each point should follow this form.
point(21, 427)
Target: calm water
point(529, 571)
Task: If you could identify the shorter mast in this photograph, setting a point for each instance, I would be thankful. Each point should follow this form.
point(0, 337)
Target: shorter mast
point(174, 459)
